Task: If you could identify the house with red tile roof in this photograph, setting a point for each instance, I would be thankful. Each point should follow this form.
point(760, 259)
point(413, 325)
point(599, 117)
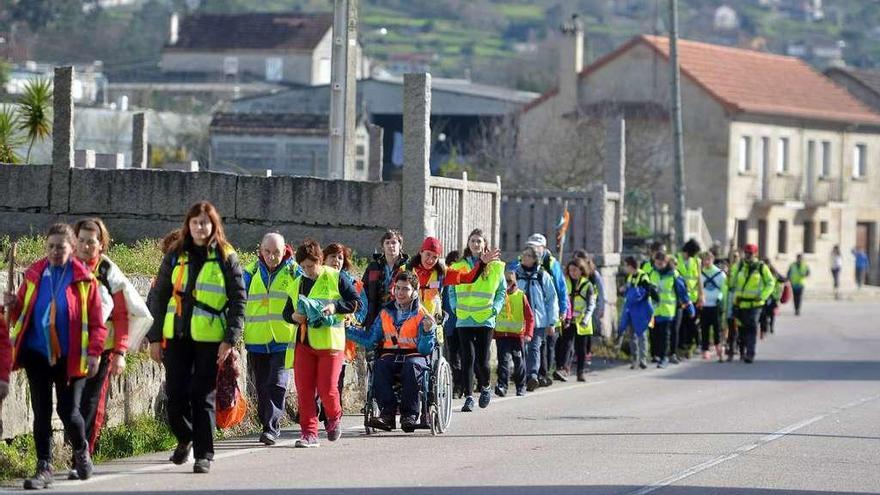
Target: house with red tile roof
point(291, 48)
point(775, 153)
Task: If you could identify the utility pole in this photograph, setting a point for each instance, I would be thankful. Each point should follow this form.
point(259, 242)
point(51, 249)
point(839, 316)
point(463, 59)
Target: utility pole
point(678, 143)
point(343, 87)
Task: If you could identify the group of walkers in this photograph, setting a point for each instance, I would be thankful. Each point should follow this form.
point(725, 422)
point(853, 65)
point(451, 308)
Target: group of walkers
point(303, 311)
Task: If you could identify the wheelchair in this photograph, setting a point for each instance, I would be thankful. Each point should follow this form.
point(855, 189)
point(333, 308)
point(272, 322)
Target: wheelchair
point(435, 395)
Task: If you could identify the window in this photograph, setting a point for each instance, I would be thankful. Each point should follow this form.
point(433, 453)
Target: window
point(782, 155)
point(745, 154)
point(742, 232)
point(826, 159)
point(809, 237)
point(782, 236)
point(860, 161)
point(765, 154)
point(359, 164)
point(823, 227)
point(811, 159)
point(360, 150)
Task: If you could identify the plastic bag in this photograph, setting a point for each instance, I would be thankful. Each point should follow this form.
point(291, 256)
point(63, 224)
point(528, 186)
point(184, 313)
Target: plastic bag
point(231, 404)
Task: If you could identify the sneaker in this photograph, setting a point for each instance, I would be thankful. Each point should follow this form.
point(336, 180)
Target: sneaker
point(532, 384)
point(72, 474)
point(202, 466)
point(268, 439)
point(674, 359)
point(643, 365)
point(42, 478)
point(749, 360)
point(409, 423)
point(655, 359)
point(663, 363)
point(560, 376)
point(181, 454)
point(468, 404)
point(500, 391)
point(545, 381)
point(485, 397)
point(334, 430)
point(384, 422)
point(730, 358)
point(520, 391)
point(84, 464)
point(582, 377)
point(306, 442)
point(633, 366)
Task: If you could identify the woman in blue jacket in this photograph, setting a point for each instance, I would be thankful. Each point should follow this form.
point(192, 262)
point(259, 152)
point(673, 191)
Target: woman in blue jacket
point(541, 293)
point(638, 313)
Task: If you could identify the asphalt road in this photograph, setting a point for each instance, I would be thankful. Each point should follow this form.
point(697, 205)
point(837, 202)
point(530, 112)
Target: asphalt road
point(804, 418)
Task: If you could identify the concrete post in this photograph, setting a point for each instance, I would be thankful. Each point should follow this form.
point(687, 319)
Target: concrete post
point(615, 172)
point(462, 211)
point(416, 202)
point(139, 156)
point(343, 89)
point(62, 140)
point(496, 215)
point(377, 152)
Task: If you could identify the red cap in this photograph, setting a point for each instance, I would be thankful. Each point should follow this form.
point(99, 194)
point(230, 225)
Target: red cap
point(750, 248)
point(432, 244)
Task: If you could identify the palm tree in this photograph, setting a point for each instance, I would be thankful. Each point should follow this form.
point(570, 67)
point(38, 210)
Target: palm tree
point(9, 138)
point(35, 108)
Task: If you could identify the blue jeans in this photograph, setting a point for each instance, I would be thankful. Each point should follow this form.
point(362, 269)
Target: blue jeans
point(533, 350)
point(270, 379)
point(411, 369)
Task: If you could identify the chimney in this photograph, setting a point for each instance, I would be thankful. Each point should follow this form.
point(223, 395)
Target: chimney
point(571, 61)
point(174, 29)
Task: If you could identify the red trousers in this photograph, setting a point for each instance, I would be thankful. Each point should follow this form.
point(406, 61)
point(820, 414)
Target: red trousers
point(317, 372)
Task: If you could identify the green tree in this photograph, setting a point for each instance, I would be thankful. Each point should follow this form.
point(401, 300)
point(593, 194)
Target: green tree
point(4, 76)
point(9, 138)
point(35, 107)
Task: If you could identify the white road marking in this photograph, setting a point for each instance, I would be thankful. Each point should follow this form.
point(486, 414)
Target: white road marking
point(743, 449)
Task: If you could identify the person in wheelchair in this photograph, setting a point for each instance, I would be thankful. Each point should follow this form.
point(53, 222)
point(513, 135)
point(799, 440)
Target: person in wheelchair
point(406, 335)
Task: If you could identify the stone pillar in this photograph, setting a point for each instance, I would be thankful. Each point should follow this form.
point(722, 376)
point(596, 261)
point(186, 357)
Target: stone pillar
point(110, 161)
point(463, 230)
point(139, 156)
point(496, 215)
point(416, 201)
point(62, 140)
point(377, 152)
point(615, 154)
point(605, 218)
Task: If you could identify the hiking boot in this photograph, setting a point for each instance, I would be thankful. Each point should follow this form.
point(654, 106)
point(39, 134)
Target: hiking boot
point(500, 391)
point(674, 359)
point(582, 377)
point(385, 422)
point(532, 384)
point(468, 404)
point(545, 382)
point(749, 360)
point(306, 442)
point(334, 430)
point(84, 466)
point(643, 365)
point(485, 397)
point(408, 424)
point(42, 478)
point(520, 391)
point(560, 376)
point(663, 363)
point(202, 466)
point(268, 439)
point(181, 453)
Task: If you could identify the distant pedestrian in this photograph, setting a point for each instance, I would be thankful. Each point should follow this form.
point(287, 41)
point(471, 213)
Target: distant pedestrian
point(862, 265)
point(514, 327)
point(750, 284)
point(714, 282)
point(637, 316)
point(797, 273)
point(836, 266)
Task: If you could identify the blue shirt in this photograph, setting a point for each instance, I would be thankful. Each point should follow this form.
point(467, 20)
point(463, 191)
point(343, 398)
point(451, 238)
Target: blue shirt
point(54, 279)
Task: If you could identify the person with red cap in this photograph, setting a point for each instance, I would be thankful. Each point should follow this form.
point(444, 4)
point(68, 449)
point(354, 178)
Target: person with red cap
point(751, 283)
point(434, 275)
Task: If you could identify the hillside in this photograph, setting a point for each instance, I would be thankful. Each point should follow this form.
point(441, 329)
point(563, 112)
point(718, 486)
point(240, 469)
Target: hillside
point(507, 42)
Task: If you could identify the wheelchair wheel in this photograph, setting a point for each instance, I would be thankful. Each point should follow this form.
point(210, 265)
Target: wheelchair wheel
point(442, 396)
point(371, 408)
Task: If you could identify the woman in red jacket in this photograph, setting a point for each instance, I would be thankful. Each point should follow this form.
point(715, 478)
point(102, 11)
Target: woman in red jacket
point(58, 337)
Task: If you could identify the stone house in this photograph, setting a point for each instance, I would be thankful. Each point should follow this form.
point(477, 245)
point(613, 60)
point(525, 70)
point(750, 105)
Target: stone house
point(288, 48)
point(864, 84)
point(775, 153)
